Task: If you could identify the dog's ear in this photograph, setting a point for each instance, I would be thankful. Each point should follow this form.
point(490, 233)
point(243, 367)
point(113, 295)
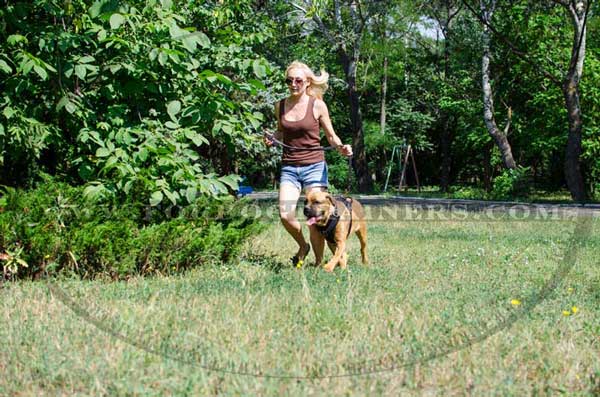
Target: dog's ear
point(331, 200)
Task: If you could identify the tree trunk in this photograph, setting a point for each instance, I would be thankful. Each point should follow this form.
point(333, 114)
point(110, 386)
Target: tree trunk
point(500, 137)
point(573, 150)
point(382, 114)
point(365, 184)
point(570, 87)
point(446, 154)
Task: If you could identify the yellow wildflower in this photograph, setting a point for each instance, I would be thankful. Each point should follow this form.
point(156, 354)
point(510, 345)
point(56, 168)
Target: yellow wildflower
point(515, 302)
point(566, 313)
point(574, 309)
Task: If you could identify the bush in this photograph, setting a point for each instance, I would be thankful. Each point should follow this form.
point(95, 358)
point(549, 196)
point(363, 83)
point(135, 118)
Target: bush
point(52, 230)
point(337, 172)
point(467, 193)
point(512, 183)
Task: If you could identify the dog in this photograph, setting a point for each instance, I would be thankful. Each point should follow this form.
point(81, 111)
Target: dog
point(335, 219)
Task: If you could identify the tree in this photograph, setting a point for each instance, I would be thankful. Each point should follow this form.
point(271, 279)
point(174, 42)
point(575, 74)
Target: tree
point(444, 12)
point(569, 82)
point(343, 24)
point(578, 11)
point(140, 100)
point(500, 137)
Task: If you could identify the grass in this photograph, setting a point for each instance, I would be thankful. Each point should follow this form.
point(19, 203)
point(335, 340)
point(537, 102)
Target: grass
point(434, 286)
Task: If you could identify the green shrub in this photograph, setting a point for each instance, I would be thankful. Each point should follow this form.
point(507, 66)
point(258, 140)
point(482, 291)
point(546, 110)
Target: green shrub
point(52, 229)
point(512, 183)
point(337, 173)
point(467, 193)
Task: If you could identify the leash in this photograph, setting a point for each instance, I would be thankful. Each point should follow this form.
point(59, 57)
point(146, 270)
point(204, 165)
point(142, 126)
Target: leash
point(314, 148)
point(285, 145)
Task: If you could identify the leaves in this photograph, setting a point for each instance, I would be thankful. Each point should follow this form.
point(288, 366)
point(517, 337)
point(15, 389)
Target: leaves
point(94, 191)
point(196, 138)
point(156, 198)
point(15, 39)
point(259, 69)
point(102, 152)
point(5, 67)
point(116, 20)
point(232, 181)
point(141, 87)
point(173, 109)
point(191, 194)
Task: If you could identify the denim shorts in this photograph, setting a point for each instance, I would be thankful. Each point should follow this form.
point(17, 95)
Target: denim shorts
point(304, 176)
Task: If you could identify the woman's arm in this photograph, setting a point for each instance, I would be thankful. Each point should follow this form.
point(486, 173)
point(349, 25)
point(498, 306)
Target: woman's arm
point(322, 114)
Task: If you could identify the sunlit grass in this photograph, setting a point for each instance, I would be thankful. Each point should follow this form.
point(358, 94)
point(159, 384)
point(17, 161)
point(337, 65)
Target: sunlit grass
point(432, 288)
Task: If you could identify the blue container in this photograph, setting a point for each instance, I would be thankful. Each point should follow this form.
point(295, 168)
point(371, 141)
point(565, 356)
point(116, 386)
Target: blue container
point(244, 190)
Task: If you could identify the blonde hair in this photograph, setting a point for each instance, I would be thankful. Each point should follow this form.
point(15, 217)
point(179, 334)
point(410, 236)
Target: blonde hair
point(318, 84)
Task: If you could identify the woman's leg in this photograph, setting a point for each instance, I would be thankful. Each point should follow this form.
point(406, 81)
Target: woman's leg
point(288, 199)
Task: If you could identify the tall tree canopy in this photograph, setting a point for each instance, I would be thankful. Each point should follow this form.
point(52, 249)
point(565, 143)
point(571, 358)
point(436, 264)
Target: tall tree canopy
point(165, 100)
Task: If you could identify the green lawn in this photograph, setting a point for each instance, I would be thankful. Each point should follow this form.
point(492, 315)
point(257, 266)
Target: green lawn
point(450, 305)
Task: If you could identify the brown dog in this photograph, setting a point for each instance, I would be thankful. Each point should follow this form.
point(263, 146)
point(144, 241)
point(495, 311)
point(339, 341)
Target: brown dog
point(335, 220)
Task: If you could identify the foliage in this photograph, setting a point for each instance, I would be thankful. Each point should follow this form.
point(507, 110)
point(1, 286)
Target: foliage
point(338, 172)
point(53, 229)
point(159, 102)
point(467, 193)
point(512, 183)
point(591, 129)
point(135, 98)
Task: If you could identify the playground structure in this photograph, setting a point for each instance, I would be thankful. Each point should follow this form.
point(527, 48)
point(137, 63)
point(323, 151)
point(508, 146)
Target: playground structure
point(402, 165)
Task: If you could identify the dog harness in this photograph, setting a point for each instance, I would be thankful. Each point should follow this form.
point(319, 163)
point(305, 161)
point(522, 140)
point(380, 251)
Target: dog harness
point(328, 230)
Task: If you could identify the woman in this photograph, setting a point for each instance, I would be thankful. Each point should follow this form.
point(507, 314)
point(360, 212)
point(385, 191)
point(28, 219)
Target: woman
point(300, 118)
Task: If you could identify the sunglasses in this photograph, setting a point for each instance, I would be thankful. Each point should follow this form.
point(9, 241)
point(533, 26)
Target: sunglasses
point(297, 80)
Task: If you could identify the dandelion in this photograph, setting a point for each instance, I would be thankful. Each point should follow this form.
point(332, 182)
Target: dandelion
point(566, 313)
point(515, 302)
point(570, 290)
point(574, 309)
point(299, 264)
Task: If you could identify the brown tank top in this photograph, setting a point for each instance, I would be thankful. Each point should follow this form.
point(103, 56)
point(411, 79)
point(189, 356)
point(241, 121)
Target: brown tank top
point(302, 133)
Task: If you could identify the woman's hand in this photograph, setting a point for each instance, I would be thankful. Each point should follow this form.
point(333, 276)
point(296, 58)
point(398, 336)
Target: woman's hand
point(345, 150)
point(268, 139)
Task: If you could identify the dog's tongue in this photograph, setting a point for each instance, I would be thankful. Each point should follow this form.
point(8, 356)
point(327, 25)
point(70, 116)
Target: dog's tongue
point(311, 221)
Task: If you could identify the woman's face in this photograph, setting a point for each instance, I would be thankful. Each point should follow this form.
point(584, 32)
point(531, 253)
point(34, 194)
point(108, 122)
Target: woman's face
point(296, 81)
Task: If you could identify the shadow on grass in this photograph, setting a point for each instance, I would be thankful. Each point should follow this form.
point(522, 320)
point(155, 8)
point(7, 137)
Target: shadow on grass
point(268, 261)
